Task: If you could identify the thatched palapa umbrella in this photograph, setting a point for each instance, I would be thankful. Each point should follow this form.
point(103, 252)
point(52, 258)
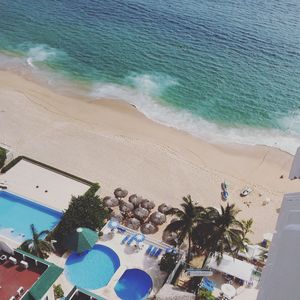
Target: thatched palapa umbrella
point(170, 237)
point(141, 213)
point(135, 200)
point(110, 202)
point(164, 208)
point(158, 218)
point(133, 223)
point(120, 193)
point(126, 207)
point(147, 204)
point(149, 228)
point(174, 220)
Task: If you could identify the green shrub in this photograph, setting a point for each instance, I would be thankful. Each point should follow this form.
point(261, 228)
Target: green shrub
point(58, 291)
point(83, 211)
point(205, 295)
point(2, 157)
point(11, 164)
point(92, 190)
point(168, 262)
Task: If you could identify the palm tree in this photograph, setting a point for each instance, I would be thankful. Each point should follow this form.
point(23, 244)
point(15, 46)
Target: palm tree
point(187, 220)
point(219, 232)
point(36, 245)
point(246, 229)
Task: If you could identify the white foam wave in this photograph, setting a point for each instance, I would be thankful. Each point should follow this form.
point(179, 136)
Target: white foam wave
point(151, 85)
point(144, 95)
point(291, 123)
point(40, 53)
point(144, 92)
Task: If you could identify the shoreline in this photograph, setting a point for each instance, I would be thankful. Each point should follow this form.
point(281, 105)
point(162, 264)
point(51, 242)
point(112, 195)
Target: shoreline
point(147, 104)
point(111, 142)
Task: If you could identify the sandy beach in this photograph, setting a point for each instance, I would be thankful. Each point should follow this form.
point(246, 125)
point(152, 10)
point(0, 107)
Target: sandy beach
point(110, 142)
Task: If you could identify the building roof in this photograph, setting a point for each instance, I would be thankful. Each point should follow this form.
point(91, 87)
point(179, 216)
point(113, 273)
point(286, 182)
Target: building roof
point(45, 281)
point(79, 294)
point(295, 169)
point(170, 292)
point(280, 277)
point(233, 266)
point(12, 277)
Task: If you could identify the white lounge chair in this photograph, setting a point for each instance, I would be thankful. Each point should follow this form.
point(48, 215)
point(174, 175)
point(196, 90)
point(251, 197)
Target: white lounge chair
point(3, 257)
point(24, 264)
point(12, 260)
point(20, 291)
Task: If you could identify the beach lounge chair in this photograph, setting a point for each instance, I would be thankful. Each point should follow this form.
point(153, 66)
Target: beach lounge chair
point(12, 260)
point(125, 239)
point(208, 284)
point(153, 251)
point(158, 252)
point(20, 291)
point(171, 250)
point(149, 249)
point(24, 264)
point(121, 230)
point(3, 258)
point(130, 240)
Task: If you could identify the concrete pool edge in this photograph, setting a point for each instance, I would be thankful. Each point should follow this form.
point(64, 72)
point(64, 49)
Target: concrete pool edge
point(34, 201)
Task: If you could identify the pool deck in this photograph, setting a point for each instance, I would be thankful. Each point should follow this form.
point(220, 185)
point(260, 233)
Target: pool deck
point(130, 258)
point(54, 189)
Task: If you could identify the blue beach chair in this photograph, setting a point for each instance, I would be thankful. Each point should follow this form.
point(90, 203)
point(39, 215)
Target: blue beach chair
point(153, 251)
point(130, 240)
point(208, 284)
point(157, 253)
point(149, 249)
point(125, 239)
point(121, 230)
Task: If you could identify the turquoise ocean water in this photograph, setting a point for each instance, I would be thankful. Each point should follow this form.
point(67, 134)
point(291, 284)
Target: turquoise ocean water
point(227, 71)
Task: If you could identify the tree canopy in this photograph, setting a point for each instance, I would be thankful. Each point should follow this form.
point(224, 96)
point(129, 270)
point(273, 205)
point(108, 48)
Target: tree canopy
point(37, 245)
point(187, 219)
point(2, 157)
point(209, 230)
point(83, 211)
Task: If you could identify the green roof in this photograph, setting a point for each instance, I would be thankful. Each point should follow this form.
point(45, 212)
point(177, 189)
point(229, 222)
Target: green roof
point(83, 291)
point(45, 281)
point(39, 289)
point(33, 257)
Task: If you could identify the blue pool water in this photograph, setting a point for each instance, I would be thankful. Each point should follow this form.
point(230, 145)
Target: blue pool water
point(92, 269)
point(18, 213)
point(134, 284)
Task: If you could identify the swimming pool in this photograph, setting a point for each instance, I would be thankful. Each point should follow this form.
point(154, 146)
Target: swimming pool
point(18, 213)
point(92, 269)
point(134, 284)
